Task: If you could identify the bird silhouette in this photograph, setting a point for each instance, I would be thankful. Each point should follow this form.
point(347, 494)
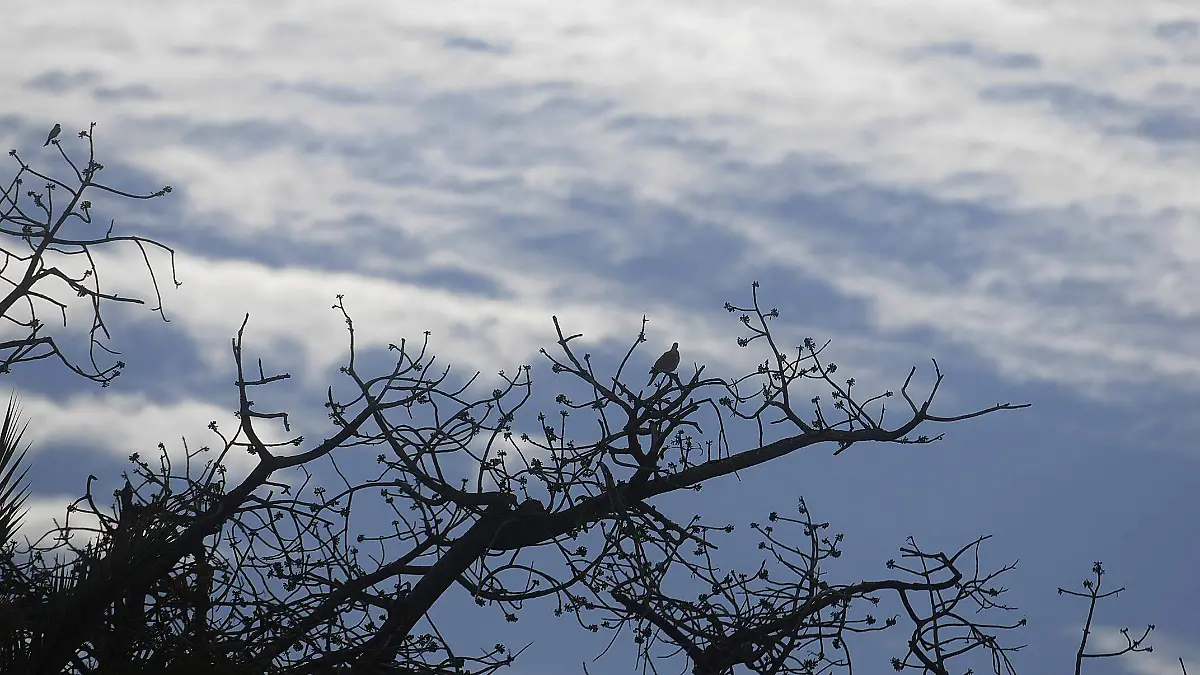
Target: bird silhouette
point(126, 497)
point(53, 134)
point(667, 363)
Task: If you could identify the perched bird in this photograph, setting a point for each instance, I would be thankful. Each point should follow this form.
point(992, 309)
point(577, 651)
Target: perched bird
point(53, 134)
point(126, 497)
point(667, 363)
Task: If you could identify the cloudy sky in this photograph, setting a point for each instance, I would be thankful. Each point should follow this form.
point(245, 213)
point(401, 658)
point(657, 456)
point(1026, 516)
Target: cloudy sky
point(1011, 187)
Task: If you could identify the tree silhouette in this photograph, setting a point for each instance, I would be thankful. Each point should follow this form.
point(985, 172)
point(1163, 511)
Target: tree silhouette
point(189, 572)
point(57, 246)
point(50, 262)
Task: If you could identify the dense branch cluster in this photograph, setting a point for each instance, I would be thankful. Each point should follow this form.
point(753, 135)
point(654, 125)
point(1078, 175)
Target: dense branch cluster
point(283, 571)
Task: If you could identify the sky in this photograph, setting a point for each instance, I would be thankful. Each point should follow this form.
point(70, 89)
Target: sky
point(1006, 186)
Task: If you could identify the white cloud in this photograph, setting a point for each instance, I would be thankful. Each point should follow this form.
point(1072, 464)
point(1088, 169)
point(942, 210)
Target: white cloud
point(117, 425)
point(231, 110)
point(44, 513)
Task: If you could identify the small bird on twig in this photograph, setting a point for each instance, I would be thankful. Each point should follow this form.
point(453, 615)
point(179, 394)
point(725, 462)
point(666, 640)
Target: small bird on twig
point(667, 363)
point(53, 134)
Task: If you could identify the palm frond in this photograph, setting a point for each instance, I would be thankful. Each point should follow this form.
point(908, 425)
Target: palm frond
point(13, 491)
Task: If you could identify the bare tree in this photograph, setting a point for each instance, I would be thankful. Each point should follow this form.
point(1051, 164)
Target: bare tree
point(188, 572)
point(1091, 591)
point(49, 261)
point(311, 588)
point(52, 259)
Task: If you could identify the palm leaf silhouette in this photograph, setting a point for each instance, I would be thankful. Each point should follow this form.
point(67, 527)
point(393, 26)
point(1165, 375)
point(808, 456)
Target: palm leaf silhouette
point(16, 587)
point(13, 491)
